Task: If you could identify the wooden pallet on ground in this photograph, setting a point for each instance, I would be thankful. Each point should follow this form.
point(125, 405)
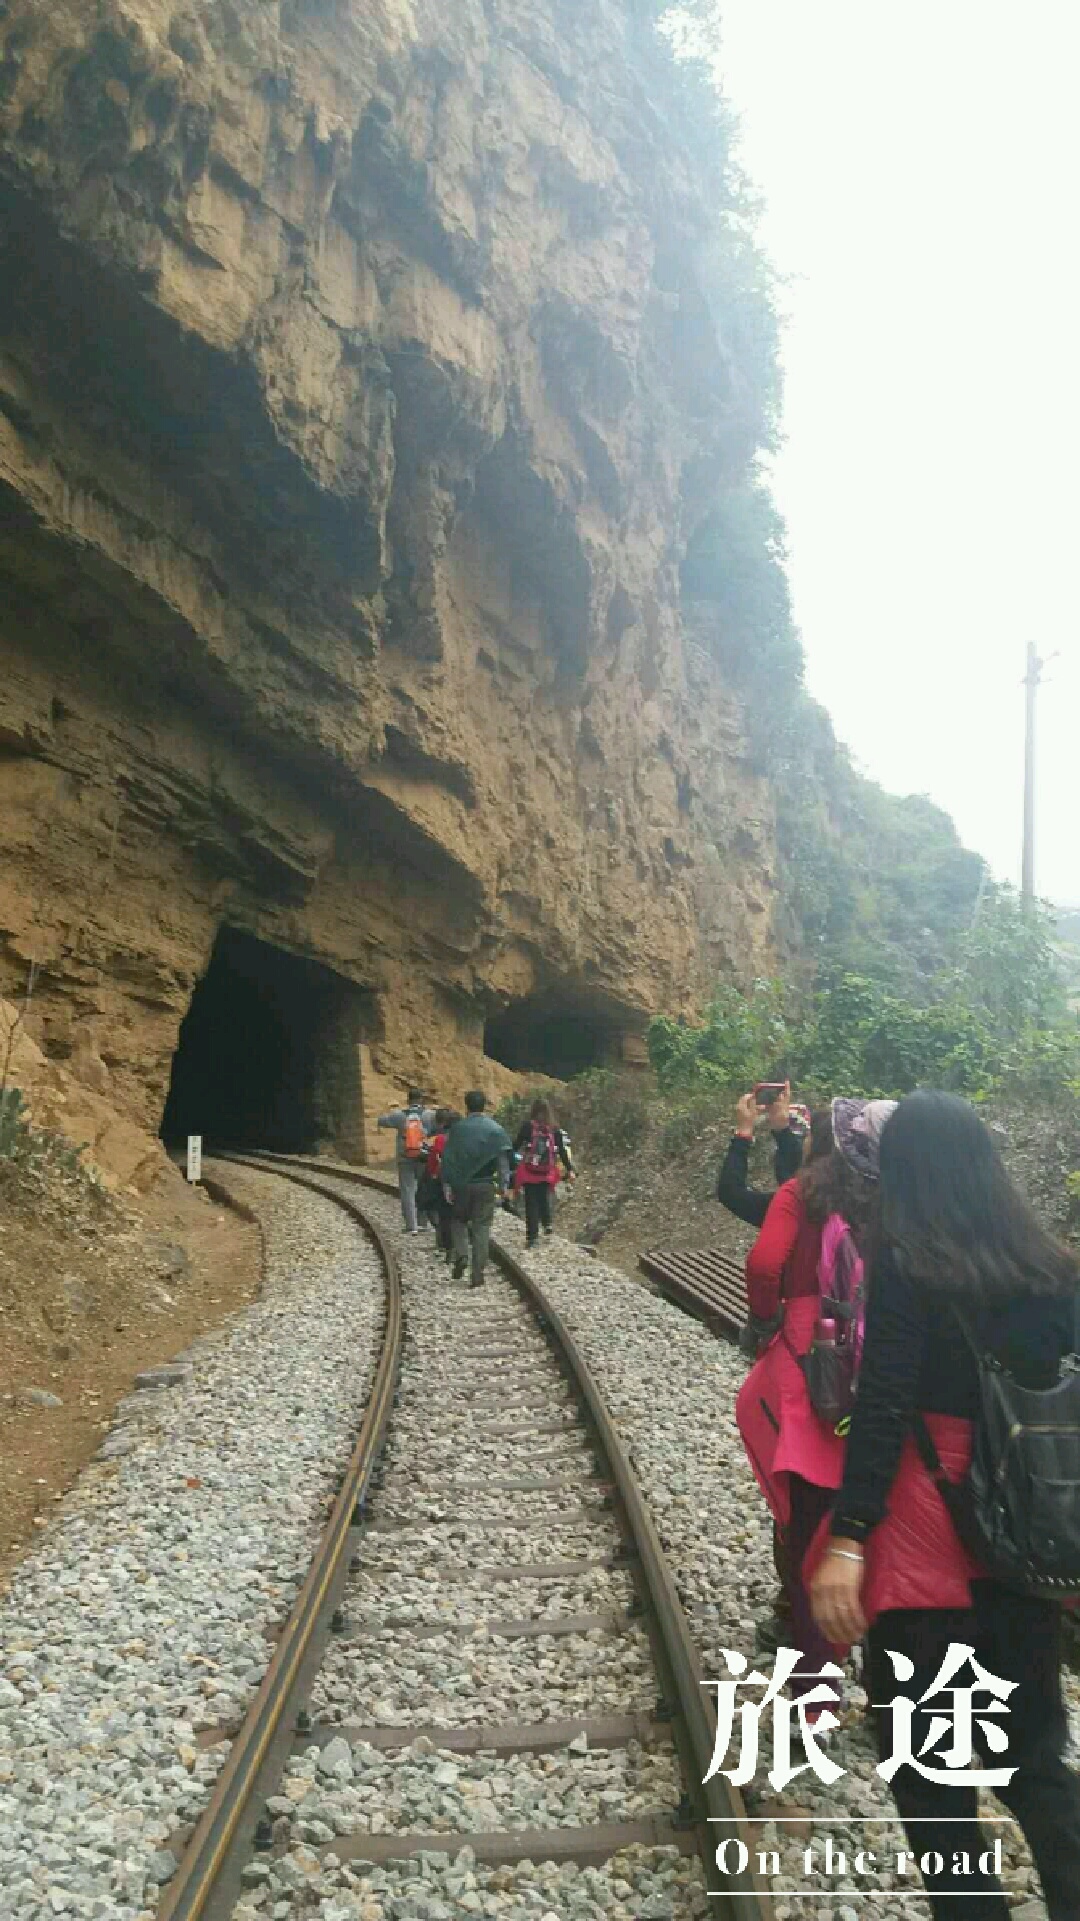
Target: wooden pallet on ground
point(704, 1282)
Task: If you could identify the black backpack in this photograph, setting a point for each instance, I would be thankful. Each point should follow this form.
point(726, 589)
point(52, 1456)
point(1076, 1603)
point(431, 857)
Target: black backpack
point(1018, 1510)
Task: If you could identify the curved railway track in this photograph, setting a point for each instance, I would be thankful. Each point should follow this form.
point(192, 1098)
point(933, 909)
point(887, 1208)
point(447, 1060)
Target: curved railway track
point(283, 1720)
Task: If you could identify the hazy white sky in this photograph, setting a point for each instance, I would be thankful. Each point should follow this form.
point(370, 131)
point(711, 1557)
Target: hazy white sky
point(921, 163)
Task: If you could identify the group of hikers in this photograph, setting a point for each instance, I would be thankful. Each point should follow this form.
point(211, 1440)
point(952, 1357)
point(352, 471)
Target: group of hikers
point(453, 1170)
point(912, 1417)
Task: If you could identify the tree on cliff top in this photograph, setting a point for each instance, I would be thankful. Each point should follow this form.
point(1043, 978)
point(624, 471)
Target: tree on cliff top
point(878, 884)
point(733, 273)
point(736, 556)
point(737, 560)
point(996, 1016)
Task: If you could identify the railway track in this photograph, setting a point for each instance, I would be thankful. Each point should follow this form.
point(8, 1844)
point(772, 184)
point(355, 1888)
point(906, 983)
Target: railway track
point(544, 1629)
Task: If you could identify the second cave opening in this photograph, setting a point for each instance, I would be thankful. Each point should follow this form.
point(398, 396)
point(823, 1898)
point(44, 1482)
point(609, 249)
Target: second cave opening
point(557, 1037)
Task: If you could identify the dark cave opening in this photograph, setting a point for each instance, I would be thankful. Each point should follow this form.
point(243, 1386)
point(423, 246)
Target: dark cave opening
point(268, 1054)
point(555, 1037)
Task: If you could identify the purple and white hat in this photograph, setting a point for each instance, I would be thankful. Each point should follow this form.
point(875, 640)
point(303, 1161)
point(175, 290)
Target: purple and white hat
point(857, 1130)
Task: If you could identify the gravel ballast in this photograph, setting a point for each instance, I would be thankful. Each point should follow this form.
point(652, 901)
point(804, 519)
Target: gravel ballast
point(639, 1884)
point(461, 1680)
point(139, 1618)
point(355, 1789)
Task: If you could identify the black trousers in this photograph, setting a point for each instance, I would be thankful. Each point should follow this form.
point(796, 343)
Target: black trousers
point(537, 1210)
point(1018, 1640)
point(443, 1224)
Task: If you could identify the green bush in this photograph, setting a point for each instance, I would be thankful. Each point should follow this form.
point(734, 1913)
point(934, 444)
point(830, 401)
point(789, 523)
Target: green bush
point(35, 1148)
point(14, 1130)
point(745, 1038)
point(862, 1039)
point(998, 1017)
point(686, 1124)
point(607, 1113)
point(514, 1111)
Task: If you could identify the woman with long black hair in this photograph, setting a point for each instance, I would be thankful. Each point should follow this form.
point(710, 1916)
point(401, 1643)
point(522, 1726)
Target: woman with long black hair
point(956, 1244)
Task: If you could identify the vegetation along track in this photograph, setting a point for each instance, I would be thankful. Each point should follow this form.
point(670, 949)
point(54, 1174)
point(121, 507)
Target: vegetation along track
point(547, 1486)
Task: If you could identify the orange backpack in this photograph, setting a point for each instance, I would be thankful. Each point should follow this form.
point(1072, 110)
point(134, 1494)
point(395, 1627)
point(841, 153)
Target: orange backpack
point(412, 1137)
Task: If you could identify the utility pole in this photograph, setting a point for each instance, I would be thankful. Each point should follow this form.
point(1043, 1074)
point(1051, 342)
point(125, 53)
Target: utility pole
point(1031, 683)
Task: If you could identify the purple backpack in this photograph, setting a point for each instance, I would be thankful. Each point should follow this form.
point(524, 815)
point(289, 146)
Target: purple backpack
point(832, 1365)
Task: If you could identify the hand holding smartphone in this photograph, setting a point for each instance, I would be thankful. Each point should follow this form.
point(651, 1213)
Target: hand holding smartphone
point(773, 1099)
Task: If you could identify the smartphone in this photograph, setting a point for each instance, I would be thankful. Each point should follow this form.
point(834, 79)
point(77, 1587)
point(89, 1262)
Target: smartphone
point(768, 1092)
point(799, 1118)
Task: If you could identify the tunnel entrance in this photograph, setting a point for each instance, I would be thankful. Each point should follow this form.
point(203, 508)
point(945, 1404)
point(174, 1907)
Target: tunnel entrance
point(268, 1054)
point(555, 1037)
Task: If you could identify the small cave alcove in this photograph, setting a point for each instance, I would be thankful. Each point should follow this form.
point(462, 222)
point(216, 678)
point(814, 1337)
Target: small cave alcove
point(552, 1036)
point(268, 1054)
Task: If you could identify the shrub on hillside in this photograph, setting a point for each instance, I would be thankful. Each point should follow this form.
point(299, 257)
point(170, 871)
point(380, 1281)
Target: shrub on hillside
point(689, 1123)
point(35, 1148)
point(514, 1111)
point(998, 1017)
point(606, 1112)
point(745, 1038)
point(13, 1125)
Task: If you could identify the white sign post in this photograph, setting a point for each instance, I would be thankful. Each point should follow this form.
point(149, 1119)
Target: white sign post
point(194, 1158)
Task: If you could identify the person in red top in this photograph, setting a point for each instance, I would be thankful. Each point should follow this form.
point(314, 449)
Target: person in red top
point(797, 1459)
point(437, 1207)
point(544, 1160)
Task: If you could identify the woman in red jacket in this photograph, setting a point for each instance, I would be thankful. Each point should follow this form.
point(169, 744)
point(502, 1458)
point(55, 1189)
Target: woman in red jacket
point(954, 1234)
point(798, 1460)
point(436, 1206)
point(544, 1160)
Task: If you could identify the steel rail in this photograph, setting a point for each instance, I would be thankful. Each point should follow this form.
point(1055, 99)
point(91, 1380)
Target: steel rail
point(719, 1808)
point(227, 1827)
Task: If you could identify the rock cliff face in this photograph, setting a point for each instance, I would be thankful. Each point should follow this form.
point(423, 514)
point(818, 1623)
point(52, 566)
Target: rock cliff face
point(355, 391)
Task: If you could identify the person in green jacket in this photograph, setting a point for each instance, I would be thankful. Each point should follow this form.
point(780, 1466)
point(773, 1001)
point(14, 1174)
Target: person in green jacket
point(475, 1167)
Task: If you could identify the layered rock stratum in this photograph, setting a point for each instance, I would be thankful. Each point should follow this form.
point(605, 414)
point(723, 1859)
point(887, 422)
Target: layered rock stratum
point(357, 397)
